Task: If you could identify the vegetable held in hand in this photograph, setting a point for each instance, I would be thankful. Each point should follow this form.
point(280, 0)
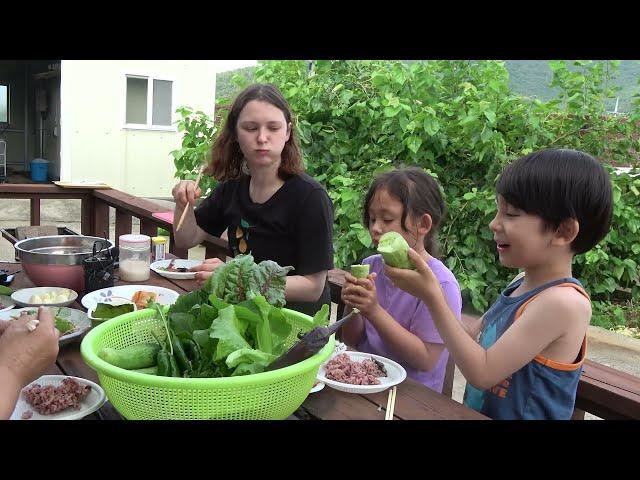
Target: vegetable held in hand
point(131, 358)
point(394, 248)
point(360, 271)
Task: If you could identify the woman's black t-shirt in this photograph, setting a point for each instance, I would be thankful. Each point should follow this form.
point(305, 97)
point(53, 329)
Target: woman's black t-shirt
point(293, 228)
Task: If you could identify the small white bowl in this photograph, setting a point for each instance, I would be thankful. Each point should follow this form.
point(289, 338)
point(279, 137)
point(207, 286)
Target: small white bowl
point(23, 297)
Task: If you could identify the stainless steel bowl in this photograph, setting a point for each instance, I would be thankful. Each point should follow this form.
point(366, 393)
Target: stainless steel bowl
point(56, 261)
point(58, 249)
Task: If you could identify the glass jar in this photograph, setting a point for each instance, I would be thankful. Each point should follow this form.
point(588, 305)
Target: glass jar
point(135, 258)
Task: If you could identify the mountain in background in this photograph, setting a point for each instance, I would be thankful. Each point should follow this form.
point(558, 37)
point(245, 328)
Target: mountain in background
point(533, 77)
point(526, 77)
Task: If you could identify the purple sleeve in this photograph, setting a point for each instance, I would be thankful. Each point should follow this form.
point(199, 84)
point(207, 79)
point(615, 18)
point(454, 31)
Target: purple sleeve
point(422, 324)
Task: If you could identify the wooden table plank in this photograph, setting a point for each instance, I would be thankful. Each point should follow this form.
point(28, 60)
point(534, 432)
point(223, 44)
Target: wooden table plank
point(413, 401)
point(330, 404)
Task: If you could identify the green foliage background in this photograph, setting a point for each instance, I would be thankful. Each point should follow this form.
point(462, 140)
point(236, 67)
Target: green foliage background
point(461, 122)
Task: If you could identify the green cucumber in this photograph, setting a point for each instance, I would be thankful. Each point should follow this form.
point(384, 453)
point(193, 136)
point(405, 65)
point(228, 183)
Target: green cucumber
point(394, 248)
point(142, 355)
point(360, 271)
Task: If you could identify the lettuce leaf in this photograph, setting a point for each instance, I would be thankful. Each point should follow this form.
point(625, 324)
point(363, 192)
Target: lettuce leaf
point(229, 331)
point(248, 361)
point(321, 318)
point(186, 302)
point(236, 319)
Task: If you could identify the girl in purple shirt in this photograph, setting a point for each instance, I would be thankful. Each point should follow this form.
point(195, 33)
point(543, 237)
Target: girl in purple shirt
point(393, 323)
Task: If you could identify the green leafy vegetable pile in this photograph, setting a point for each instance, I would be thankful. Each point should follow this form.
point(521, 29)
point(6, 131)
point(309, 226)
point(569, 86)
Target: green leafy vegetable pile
point(234, 325)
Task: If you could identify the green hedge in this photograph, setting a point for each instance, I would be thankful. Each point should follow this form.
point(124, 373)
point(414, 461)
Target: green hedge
point(460, 122)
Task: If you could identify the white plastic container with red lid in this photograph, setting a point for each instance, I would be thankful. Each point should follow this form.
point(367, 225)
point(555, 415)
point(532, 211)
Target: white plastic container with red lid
point(135, 257)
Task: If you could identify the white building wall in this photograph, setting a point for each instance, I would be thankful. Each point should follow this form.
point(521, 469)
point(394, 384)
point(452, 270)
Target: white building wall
point(95, 143)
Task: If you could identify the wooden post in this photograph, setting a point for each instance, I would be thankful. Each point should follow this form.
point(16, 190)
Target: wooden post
point(86, 212)
point(148, 227)
point(123, 224)
point(100, 219)
point(35, 211)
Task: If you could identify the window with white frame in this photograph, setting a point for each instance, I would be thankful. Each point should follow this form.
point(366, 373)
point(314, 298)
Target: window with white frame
point(4, 103)
point(149, 101)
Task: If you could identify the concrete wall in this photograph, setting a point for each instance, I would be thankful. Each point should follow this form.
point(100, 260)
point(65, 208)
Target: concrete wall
point(97, 144)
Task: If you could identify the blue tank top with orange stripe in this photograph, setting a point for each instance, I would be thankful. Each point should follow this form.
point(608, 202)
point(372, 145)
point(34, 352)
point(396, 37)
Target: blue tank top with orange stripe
point(543, 389)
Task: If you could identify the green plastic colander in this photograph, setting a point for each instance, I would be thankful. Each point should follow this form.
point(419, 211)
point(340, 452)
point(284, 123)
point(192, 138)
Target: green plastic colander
point(263, 396)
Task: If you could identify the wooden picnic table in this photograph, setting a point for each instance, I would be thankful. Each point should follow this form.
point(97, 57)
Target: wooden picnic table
point(414, 401)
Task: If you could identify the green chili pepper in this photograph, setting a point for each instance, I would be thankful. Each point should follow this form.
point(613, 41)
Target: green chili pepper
point(164, 364)
point(192, 350)
point(175, 371)
point(179, 354)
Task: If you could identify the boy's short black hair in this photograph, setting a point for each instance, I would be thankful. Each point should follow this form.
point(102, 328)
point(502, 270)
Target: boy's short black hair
point(557, 184)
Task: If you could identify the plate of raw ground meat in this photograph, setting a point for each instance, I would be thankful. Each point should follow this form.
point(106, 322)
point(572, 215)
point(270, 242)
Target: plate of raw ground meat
point(359, 372)
point(58, 397)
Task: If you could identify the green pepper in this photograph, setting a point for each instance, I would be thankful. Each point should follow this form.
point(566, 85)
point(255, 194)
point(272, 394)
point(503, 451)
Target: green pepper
point(179, 354)
point(192, 350)
point(175, 371)
point(164, 365)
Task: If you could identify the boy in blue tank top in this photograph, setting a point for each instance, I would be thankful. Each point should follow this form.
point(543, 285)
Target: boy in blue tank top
point(523, 358)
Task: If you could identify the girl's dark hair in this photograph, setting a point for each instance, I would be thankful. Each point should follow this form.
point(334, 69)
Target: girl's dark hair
point(226, 156)
point(418, 192)
point(557, 184)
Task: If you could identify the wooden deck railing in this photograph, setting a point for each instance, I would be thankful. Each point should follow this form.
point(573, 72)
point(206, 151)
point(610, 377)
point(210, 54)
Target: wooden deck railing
point(603, 391)
point(94, 213)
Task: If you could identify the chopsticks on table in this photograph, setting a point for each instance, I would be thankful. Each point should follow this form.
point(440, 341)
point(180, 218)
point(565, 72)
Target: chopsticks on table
point(184, 212)
point(391, 404)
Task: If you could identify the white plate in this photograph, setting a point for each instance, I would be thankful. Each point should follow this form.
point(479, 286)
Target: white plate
point(156, 267)
point(75, 316)
point(7, 302)
point(317, 387)
point(23, 297)
point(165, 296)
point(395, 375)
point(89, 404)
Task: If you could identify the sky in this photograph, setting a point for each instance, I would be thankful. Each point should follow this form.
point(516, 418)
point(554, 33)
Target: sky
point(226, 65)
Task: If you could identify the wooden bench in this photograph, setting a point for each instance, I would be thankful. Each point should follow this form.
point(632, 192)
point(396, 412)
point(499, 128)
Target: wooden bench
point(603, 391)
